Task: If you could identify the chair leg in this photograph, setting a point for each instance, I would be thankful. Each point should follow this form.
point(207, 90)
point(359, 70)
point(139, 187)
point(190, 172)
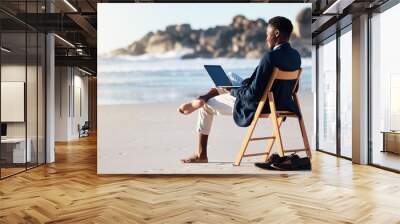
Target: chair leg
point(274, 118)
point(305, 138)
point(271, 143)
point(277, 134)
point(245, 143)
point(303, 129)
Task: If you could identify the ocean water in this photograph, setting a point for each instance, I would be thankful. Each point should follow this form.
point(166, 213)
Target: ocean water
point(167, 78)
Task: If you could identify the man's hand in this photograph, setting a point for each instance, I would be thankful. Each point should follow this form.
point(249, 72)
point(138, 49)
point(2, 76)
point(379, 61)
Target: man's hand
point(223, 90)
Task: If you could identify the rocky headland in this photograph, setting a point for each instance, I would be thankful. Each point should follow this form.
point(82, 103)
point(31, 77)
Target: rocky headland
point(242, 38)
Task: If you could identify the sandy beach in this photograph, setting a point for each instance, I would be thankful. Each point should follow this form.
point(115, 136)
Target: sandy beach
point(152, 138)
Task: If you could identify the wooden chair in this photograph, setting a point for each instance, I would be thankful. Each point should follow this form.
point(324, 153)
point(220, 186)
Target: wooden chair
point(277, 118)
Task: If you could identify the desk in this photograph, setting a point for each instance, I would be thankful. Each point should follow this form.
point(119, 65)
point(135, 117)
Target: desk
point(391, 141)
point(15, 148)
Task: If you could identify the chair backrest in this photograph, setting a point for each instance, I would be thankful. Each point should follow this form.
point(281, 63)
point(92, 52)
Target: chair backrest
point(284, 75)
point(86, 125)
point(278, 74)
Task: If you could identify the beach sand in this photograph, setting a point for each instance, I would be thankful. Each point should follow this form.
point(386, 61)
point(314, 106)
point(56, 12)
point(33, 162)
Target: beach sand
point(152, 138)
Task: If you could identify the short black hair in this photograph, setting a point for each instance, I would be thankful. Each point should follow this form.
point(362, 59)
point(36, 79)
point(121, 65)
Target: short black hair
point(283, 24)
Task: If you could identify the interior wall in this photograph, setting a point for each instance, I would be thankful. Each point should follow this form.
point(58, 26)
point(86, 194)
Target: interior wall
point(62, 80)
point(80, 109)
point(17, 73)
point(71, 102)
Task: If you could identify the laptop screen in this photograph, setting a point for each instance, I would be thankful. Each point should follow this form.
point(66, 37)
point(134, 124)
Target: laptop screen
point(218, 75)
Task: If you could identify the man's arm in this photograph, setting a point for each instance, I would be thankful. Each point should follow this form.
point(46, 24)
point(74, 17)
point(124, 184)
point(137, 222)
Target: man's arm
point(247, 81)
point(258, 85)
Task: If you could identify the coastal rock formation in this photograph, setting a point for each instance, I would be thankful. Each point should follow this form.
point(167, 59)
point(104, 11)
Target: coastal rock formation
point(242, 38)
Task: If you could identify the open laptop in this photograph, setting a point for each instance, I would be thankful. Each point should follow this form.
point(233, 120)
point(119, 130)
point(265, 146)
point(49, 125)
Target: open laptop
point(219, 77)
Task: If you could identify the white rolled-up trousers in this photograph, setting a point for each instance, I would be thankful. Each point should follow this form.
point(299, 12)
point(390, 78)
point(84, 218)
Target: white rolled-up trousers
point(219, 105)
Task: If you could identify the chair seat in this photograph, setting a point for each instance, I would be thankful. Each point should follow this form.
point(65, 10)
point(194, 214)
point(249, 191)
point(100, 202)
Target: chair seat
point(282, 113)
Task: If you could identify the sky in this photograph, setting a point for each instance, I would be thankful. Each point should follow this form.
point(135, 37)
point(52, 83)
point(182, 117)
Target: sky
point(120, 24)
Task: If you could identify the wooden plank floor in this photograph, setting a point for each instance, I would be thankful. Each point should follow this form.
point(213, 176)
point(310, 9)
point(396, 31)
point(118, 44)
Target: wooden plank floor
point(69, 191)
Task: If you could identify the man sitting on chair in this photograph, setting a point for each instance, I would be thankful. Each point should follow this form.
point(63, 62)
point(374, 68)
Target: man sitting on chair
point(242, 102)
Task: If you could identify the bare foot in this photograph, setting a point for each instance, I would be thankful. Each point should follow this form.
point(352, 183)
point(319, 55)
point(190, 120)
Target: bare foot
point(194, 159)
point(188, 108)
